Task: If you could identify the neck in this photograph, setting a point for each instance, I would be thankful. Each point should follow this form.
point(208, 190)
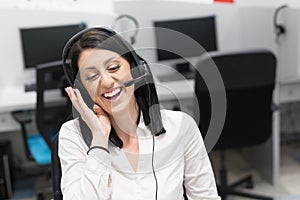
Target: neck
point(124, 123)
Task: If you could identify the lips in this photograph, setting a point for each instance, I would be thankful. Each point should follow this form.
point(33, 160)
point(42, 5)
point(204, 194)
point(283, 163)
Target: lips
point(113, 94)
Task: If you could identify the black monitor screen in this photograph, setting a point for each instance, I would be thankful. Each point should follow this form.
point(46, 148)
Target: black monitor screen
point(45, 44)
point(201, 29)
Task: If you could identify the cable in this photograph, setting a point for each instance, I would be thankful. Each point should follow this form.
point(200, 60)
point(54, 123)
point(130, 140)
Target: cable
point(153, 142)
point(278, 28)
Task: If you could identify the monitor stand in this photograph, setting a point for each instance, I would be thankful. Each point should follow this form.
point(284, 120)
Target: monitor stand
point(184, 72)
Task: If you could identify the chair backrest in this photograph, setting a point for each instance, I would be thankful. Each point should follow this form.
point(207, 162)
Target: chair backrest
point(249, 79)
point(52, 105)
point(56, 171)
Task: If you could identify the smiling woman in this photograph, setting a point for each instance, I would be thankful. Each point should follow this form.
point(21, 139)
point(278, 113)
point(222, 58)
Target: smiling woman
point(107, 150)
point(103, 74)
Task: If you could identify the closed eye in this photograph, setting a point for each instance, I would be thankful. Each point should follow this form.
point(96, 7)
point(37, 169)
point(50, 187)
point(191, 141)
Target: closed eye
point(92, 76)
point(113, 68)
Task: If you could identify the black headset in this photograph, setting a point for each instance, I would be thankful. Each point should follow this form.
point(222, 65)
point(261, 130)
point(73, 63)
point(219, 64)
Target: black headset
point(138, 61)
point(279, 28)
point(140, 75)
point(136, 23)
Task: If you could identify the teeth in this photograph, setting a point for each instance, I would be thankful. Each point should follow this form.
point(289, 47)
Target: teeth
point(112, 93)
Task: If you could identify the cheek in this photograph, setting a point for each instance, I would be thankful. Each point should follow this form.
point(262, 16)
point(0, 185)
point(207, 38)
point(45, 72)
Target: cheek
point(91, 89)
point(125, 76)
point(129, 91)
point(126, 72)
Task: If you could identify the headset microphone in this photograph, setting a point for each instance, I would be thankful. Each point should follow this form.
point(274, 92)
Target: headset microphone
point(145, 72)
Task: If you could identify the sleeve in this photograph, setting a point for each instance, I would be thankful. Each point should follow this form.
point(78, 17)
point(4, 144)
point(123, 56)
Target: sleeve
point(83, 176)
point(199, 181)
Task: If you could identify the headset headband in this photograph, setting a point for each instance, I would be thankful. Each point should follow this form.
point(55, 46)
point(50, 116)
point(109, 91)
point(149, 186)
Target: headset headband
point(77, 37)
point(134, 20)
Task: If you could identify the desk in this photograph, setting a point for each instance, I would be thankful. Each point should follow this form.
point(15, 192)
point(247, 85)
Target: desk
point(14, 98)
point(289, 91)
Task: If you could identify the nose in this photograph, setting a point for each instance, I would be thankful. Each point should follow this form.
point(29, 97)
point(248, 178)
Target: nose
point(106, 81)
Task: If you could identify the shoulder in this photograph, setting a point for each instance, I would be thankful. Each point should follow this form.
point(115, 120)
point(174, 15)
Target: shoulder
point(182, 131)
point(70, 125)
point(70, 136)
point(177, 118)
point(185, 130)
point(70, 129)
point(179, 124)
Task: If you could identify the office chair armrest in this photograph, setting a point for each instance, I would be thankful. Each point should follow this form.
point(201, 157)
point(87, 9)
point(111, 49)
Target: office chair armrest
point(22, 116)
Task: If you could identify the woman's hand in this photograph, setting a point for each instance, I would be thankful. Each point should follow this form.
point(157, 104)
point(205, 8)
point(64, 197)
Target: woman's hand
point(97, 121)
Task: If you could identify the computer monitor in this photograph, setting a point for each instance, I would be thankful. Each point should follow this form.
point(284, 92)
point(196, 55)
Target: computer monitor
point(45, 44)
point(201, 29)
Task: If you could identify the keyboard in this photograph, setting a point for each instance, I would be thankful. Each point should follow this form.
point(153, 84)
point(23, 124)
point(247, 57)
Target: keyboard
point(176, 77)
point(53, 84)
point(30, 87)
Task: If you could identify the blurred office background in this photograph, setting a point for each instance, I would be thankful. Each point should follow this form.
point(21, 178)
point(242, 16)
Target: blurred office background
point(233, 25)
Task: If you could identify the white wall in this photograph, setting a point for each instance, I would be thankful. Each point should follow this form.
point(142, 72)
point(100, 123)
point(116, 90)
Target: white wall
point(244, 24)
point(256, 27)
point(268, 3)
point(12, 72)
point(238, 27)
point(227, 22)
point(95, 6)
point(289, 46)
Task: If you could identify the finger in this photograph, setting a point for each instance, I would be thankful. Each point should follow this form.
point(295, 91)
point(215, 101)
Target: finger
point(70, 93)
point(80, 100)
point(75, 99)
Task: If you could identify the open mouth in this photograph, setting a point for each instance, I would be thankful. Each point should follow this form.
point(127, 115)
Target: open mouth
point(113, 95)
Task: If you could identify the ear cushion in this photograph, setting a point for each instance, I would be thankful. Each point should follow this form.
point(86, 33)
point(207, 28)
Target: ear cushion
point(280, 30)
point(132, 40)
point(84, 93)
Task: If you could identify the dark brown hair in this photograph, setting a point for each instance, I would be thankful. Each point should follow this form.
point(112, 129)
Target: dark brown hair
point(145, 93)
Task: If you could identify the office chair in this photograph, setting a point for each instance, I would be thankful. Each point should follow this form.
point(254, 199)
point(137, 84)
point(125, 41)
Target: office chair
point(248, 78)
point(51, 112)
point(52, 107)
point(56, 171)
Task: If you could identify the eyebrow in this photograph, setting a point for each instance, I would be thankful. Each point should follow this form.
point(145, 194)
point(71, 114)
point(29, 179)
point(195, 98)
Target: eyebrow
point(109, 60)
point(89, 68)
point(105, 63)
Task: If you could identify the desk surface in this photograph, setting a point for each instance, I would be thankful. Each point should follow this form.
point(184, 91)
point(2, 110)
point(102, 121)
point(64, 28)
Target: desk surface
point(15, 98)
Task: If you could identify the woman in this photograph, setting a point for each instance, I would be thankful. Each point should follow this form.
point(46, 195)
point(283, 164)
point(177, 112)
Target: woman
point(122, 146)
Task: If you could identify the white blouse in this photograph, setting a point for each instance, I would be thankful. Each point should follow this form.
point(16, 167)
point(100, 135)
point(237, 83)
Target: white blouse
point(180, 159)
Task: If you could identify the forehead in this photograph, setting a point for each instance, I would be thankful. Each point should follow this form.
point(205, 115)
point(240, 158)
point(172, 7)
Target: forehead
point(96, 56)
